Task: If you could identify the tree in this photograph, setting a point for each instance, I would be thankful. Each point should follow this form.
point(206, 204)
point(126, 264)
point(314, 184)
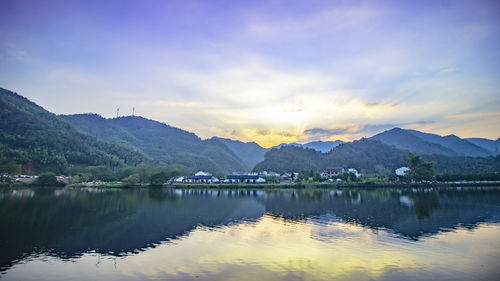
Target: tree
point(316, 177)
point(46, 179)
point(11, 168)
point(158, 179)
point(131, 180)
point(100, 172)
point(419, 169)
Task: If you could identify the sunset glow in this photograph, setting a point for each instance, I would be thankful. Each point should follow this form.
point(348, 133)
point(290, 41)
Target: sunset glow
point(264, 71)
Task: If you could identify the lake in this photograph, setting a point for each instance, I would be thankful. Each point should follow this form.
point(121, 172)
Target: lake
point(244, 234)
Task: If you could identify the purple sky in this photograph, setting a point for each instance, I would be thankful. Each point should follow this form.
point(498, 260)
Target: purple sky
point(268, 71)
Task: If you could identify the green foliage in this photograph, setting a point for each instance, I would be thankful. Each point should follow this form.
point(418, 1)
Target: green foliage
point(348, 177)
point(309, 176)
point(419, 169)
point(249, 152)
point(468, 177)
point(158, 179)
point(272, 179)
point(10, 168)
point(41, 141)
point(364, 155)
point(165, 144)
point(368, 157)
point(46, 179)
point(316, 177)
point(102, 173)
point(82, 177)
point(131, 180)
point(123, 172)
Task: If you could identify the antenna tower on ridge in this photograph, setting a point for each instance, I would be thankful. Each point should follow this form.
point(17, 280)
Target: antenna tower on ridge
point(117, 111)
point(133, 111)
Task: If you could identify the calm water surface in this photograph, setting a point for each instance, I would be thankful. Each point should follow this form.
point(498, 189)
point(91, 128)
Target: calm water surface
point(173, 234)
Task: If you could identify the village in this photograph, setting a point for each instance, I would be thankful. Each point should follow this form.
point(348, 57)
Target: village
point(331, 174)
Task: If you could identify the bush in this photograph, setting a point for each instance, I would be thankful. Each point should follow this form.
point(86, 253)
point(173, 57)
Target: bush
point(46, 179)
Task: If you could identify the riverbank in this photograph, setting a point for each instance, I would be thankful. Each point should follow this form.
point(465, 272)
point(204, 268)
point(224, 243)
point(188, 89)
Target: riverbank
point(298, 185)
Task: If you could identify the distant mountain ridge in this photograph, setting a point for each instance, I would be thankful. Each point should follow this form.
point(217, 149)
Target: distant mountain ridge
point(491, 145)
point(461, 146)
point(321, 146)
point(251, 153)
point(368, 156)
point(425, 143)
point(40, 140)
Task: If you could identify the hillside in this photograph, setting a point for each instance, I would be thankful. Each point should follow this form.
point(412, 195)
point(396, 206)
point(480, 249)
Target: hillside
point(493, 146)
point(249, 152)
point(323, 146)
point(39, 140)
point(161, 142)
point(454, 143)
point(403, 139)
point(425, 143)
point(367, 156)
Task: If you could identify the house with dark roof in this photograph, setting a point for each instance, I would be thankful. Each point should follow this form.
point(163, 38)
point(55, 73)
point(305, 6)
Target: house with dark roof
point(200, 179)
point(332, 172)
point(244, 178)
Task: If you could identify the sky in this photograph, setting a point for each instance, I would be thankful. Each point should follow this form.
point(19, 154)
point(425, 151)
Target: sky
point(263, 71)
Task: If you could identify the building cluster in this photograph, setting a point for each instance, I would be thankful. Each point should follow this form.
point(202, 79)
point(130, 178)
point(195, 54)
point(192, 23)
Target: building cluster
point(331, 174)
point(205, 177)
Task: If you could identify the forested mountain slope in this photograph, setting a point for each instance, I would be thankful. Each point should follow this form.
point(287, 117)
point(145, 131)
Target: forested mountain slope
point(39, 140)
point(163, 143)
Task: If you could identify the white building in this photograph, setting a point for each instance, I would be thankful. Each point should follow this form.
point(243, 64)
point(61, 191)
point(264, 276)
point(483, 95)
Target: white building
point(354, 171)
point(402, 171)
point(201, 173)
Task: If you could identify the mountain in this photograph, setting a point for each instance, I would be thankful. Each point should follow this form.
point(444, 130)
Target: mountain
point(249, 152)
point(286, 144)
point(490, 145)
point(460, 146)
point(323, 146)
point(39, 140)
point(403, 139)
point(425, 143)
point(367, 156)
point(161, 142)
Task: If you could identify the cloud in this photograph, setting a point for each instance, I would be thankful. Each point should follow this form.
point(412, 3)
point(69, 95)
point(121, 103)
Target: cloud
point(474, 115)
point(447, 70)
point(327, 132)
point(268, 72)
point(263, 132)
point(334, 19)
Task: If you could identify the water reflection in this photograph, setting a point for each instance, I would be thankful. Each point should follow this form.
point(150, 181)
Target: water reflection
point(237, 228)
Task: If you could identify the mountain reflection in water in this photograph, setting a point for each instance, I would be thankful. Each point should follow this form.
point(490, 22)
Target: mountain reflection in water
point(68, 223)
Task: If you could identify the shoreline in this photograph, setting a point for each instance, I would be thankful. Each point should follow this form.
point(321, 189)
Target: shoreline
point(297, 185)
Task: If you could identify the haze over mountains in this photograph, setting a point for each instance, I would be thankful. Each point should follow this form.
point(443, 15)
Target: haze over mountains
point(38, 140)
